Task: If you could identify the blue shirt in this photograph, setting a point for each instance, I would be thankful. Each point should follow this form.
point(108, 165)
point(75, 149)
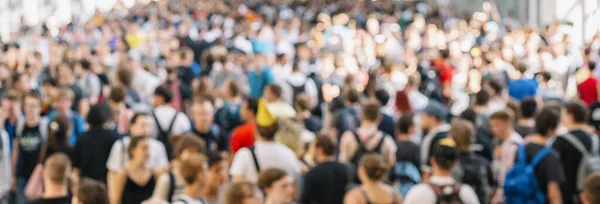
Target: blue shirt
point(522, 88)
point(77, 125)
point(258, 81)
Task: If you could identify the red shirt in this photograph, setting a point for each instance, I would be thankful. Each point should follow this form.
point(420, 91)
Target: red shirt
point(588, 90)
point(242, 136)
point(445, 70)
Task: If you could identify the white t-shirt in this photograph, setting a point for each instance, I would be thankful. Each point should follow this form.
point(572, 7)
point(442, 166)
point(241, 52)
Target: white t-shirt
point(185, 199)
point(119, 155)
point(164, 115)
point(297, 79)
point(424, 194)
point(268, 155)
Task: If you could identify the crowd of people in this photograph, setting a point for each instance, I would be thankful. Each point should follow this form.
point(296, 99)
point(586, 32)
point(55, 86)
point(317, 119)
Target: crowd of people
point(295, 101)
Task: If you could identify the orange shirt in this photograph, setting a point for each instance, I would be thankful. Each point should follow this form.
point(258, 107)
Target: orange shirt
point(242, 136)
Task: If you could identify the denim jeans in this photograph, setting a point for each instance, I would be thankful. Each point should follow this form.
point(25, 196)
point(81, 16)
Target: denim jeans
point(20, 195)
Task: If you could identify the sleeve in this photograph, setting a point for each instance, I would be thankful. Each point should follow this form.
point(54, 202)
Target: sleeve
point(270, 79)
point(80, 125)
point(553, 168)
point(96, 86)
point(307, 189)
point(467, 195)
point(161, 190)
point(241, 162)
point(420, 194)
point(115, 159)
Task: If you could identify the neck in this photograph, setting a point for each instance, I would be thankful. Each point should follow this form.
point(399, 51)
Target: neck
point(211, 193)
point(441, 173)
point(537, 139)
point(367, 124)
point(576, 126)
point(193, 191)
point(66, 112)
point(369, 183)
point(325, 158)
point(201, 127)
point(271, 200)
point(32, 119)
point(53, 190)
point(403, 137)
point(136, 164)
point(525, 122)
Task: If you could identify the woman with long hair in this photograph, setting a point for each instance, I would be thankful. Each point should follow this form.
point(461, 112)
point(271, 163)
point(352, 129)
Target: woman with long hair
point(371, 171)
point(58, 136)
point(136, 182)
point(242, 193)
point(276, 185)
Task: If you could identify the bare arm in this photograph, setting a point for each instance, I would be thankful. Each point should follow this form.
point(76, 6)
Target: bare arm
point(15, 154)
point(554, 195)
point(116, 184)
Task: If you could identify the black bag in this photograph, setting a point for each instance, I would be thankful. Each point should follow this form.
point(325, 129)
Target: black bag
point(164, 136)
point(361, 151)
point(445, 196)
point(473, 171)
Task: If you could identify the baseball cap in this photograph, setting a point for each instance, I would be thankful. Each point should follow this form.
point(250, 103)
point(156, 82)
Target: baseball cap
point(445, 152)
point(436, 109)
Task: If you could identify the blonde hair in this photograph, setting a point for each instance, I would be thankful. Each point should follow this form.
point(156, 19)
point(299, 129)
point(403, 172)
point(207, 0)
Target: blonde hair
point(462, 133)
point(289, 134)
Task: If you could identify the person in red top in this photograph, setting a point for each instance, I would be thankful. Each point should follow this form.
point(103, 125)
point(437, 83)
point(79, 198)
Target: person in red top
point(445, 70)
point(588, 89)
point(243, 136)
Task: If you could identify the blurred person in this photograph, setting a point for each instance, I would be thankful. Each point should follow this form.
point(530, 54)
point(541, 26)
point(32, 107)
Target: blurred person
point(167, 120)
point(228, 117)
point(123, 114)
point(259, 76)
point(89, 82)
point(524, 86)
point(90, 191)
point(483, 140)
point(347, 118)
point(170, 185)
point(526, 123)
point(574, 146)
point(387, 121)
point(591, 189)
point(372, 170)
point(433, 121)
point(11, 105)
point(445, 69)
point(242, 193)
point(66, 78)
point(443, 160)
point(298, 83)
point(216, 178)
point(326, 182)
point(119, 156)
point(416, 99)
point(58, 134)
point(549, 88)
point(311, 122)
point(132, 98)
point(276, 185)
point(181, 93)
point(497, 101)
point(588, 89)
point(506, 151)
point(194, 172)
point(93, 148)
point(203, 112)
point(6, 173)
point(405, 172)
point(135, 182)
point(243, 136)
point(282, 69)
point(76, 120)
point(276, 104)
point(57, 169)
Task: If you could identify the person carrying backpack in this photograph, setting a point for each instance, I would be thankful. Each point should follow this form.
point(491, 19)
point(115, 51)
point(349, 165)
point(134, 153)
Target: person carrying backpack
point(537, 175)
point(433, 121)
point(578, 150)
point(405, 174)
point(441, 187)
point(472, 169)
point(346, 117)
point(367, 139)
point(167, 120)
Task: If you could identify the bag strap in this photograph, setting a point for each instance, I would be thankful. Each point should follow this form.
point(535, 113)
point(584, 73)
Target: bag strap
point(171, 186)
point(160, 130)
point(358, 141)
point(595, 145)
point(377, 148)
point(521, 154)
point(436, 189)
point(539, 156)
point(254, 158)
point(172, 122)
point(575, 142)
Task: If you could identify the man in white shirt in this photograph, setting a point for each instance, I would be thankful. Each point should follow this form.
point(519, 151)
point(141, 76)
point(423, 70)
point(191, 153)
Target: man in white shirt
point(296, 83)
point(193, 170)
point(167, 121)
point(504, 156)
point(443, 159)
point(266, 153)
point(119, 156)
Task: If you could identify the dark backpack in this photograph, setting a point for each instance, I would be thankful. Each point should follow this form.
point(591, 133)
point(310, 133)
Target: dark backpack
point(228, 117)
point(297, 90)
point(472, 170)
point(448, 194)
point(521, 184)
point(361, 151)
point(164, 136)
point(347, 120)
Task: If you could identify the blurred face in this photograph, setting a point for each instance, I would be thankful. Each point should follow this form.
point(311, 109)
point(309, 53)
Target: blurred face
point(217, 174)
point(252, 196)
point(203, 114)
point(32, 106)
point(269, 96)
point(140, 127)
point(281, 191)
point(568, 118)
point(140, 152)
point(158, 101)
point(65, 103)
point(426, 121)
point(12, 108)
point(245, 113)
point(499, 127)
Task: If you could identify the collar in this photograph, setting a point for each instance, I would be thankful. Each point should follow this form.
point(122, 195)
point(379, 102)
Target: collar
point(442, 179)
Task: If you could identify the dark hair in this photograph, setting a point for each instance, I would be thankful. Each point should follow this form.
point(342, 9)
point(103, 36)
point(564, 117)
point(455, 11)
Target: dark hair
point(165, 93)
point(136, 116)
point(326, 143)
point(578, 110)
point(50, 81)
point(592, 65)
point(187, 141)
point(117, 94)
point(213, 158)
point(234, 88)
point(86, 65)
point(547, 119)
point(482, 97)
point(57, 132)
point(252, 104)
point(469, 115)
point(405, 122)
point(133, 143)
point(528, 107)
point(503, 115)
point(275, 89)
point(591, 188)
point(352, 96)
point(375, 166)
point(445, 53)
point(268, 132)
point(35, 95)
point(267, 177)
point(370, 110)
point(382, 96)
point(238, 191)
point(522, 68)
point(125, 76)
point(496, 86)
point(92, 192)
point(99, 114)
point(546, 76)
point(302, 102)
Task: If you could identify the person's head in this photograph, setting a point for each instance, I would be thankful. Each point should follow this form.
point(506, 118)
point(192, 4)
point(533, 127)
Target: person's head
point(124, 77)
point(382, 96)
point(162, 96)
point(65, 99)
point(138, 149)
point(372, 167)
point(575, 113)
point(370, 112)
point(591, 189)
point(547, 121)
point(324, 147)
point(249, 109)
point(351, 96)
point(501, 123)
point(469, 115)
point(90, 192)
point(57, 169)
point(188, 144)
point(11, 102)
point(495, 86)
point(528, 108)
point(232, 89)
point(268, 132)
point(272, 92)
point(117, 97)
point(406, 125)
point(482, 98)
point(276, 185)
point(433, 115)
point(203, 112)
point(302, 103)
point(217, 174)
point(193, 169)
point(20, 82)
point(243, 192)
point(444, 156)
point(99, 114)
point(463, 133)
point(139, 125)
point(59, 131)
point(32, 105)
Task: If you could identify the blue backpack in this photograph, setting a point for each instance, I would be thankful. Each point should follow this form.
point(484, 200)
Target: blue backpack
point(521, 185)
point(408, 175)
